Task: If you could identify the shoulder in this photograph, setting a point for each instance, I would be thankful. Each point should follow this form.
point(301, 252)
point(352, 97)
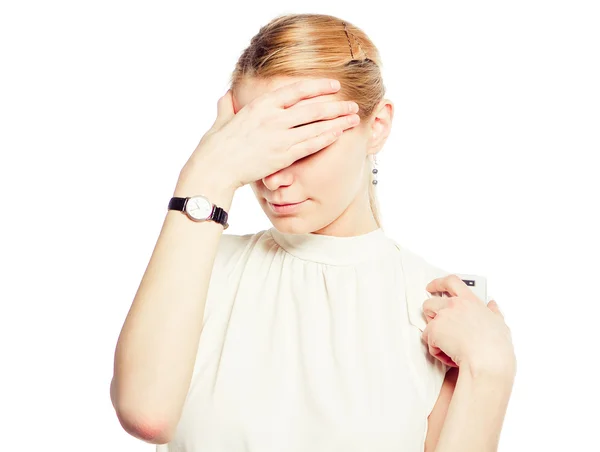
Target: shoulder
point(233, 247)
point(233, 243)
point(232, 254)
point(418, 271)
point(420, 267)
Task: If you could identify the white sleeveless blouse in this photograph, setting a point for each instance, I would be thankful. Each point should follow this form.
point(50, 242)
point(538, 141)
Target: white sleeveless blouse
point(312, 343)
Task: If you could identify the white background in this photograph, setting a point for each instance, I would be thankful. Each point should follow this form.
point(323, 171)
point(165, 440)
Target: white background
point(494, 149)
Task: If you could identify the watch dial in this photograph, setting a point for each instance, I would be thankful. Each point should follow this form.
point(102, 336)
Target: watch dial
point(199, 207)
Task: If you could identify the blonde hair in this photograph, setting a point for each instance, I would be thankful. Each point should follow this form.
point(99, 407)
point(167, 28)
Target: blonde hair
point(318, 45)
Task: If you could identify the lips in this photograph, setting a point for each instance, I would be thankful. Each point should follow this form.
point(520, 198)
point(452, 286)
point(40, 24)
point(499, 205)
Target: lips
point(286, 204)
point(286, 208)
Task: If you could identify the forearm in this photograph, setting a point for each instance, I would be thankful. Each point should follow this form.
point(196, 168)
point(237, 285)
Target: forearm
point(156, 350)
point(476, 412)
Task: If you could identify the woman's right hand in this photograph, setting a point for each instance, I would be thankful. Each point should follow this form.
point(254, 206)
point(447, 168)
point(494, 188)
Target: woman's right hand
point(271, 132)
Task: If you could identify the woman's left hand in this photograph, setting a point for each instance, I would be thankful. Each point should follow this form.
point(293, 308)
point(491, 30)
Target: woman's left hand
point(462, 330)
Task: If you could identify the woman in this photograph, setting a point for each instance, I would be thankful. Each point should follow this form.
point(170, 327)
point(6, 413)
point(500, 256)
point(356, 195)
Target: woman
point(311, 335)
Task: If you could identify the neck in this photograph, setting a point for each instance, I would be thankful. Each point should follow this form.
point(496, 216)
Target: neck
point(357, 219)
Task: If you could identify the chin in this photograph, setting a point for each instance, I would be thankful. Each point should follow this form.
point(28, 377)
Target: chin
point(298, 225)
point(291, 225)
point(288, 225)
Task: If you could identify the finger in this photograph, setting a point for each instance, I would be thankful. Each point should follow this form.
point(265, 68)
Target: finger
point(288, 95)
point(308, 147)
point(452, 284)
point(225, 109)
point(432, 306)
point(318, 111)
point(436, 351)
point(439, 354)
point(494, 307)
point(426, 336)
point(429, 315)
point(306, 132)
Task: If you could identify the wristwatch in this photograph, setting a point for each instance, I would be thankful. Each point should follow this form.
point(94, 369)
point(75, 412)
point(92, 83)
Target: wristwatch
point(199, 208)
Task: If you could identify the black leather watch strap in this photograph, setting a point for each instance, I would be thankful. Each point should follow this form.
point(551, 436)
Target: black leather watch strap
point(218, 214)
point(177, 203)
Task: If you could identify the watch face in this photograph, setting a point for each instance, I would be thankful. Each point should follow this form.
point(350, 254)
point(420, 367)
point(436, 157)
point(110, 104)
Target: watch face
point(198, 207)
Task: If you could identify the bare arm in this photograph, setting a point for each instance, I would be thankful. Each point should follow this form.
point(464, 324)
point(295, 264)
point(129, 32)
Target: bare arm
point(156, 350)
point(476, 411)
point(436, 418)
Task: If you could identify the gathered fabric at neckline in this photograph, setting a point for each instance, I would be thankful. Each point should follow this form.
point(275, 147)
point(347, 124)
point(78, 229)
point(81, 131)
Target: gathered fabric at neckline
point(334, 250)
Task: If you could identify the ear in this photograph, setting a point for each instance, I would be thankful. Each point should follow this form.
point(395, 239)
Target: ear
point(381, 125)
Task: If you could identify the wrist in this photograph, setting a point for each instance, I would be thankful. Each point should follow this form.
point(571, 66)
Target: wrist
point(501, 366)
point(197, 171)
point(218, 191)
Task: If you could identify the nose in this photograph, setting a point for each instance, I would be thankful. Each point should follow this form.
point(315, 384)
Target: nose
point(281, 178)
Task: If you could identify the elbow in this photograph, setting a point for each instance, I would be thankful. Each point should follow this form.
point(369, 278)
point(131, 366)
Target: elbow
point(140, 426)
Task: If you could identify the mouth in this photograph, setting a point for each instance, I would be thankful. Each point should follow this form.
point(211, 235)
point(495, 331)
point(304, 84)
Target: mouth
point(285, 208)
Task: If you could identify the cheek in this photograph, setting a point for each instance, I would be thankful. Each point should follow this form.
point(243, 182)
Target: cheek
point(335, 181)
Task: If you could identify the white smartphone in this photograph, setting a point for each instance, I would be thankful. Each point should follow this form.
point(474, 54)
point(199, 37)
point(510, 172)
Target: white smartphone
point(477, 283)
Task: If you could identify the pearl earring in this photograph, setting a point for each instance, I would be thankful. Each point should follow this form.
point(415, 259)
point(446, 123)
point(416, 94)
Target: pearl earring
point(375, 171)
